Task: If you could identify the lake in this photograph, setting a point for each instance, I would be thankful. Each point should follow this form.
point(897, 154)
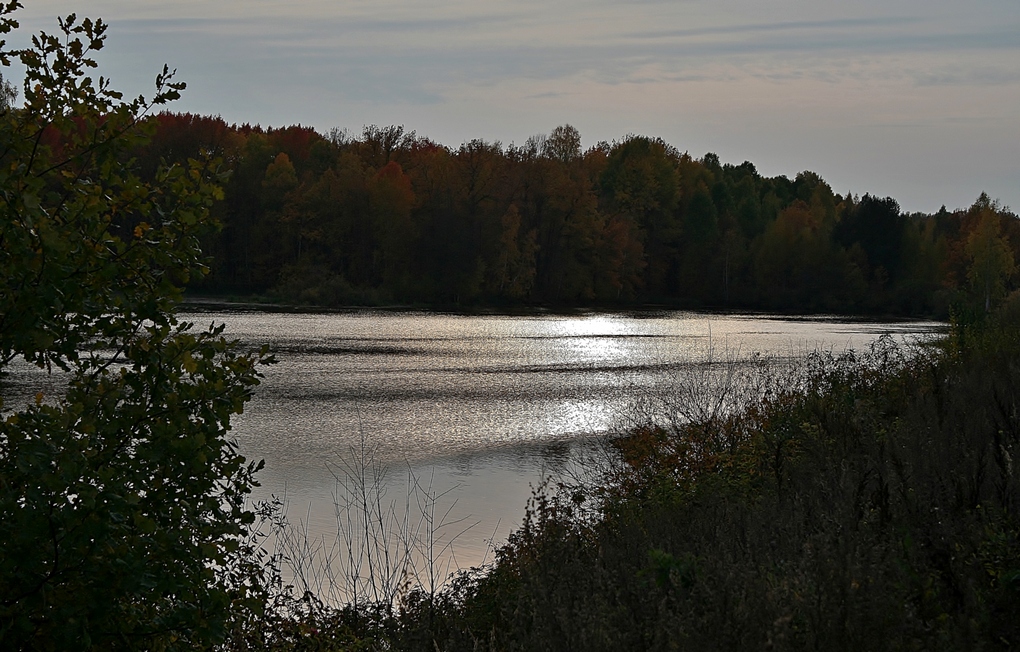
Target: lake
point(477, 408)
point(449, 421)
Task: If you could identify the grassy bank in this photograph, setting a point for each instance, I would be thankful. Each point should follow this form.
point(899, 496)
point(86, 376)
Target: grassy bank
point(873, 504)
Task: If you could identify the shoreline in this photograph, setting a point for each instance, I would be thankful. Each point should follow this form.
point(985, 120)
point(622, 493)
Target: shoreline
point(213, 303)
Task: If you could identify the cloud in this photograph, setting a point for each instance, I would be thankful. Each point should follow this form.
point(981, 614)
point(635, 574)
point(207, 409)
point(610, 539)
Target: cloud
point(787, 26)
point(488, 46)
point(738, 74)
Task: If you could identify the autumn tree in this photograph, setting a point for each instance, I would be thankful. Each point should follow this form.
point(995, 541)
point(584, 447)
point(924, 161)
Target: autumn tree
point(563, 144)
point(558, 200)
point(796, 262)
point(515, 265)
point(391, 201)
point(640, 183)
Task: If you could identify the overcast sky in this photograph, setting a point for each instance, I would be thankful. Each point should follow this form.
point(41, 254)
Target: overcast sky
point(918, 100)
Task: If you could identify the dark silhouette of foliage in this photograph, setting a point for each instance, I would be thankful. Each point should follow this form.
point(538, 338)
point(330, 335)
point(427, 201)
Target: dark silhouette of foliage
point(122, 515)
point(625, 223)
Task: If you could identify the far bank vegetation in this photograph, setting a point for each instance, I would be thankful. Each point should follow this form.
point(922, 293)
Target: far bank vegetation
point(388, 216)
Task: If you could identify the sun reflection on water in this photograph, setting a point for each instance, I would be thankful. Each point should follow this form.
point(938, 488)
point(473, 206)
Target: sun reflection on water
point(477, 400)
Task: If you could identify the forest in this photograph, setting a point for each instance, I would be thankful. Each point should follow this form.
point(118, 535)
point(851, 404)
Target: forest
point(390, 217)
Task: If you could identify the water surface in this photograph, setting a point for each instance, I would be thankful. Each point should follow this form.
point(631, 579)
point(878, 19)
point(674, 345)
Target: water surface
point(476, 409)
point(482, 407)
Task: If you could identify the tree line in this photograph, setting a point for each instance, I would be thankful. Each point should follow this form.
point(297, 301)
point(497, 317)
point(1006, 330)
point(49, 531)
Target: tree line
point(389, 216)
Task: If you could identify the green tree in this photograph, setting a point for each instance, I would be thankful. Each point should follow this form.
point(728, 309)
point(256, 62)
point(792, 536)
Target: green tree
point(795, 264)
point(122, 516)
point(515, 265)
point(991, 259)
point(8, 94)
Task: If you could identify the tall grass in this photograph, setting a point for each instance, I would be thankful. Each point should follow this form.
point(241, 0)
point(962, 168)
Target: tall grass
point(391, 544)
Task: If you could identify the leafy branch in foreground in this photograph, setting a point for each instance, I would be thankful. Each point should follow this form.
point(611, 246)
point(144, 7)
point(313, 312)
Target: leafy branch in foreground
point(123, 501)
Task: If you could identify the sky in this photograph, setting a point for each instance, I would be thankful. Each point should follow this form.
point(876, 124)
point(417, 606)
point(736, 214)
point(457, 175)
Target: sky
point(918, 100)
